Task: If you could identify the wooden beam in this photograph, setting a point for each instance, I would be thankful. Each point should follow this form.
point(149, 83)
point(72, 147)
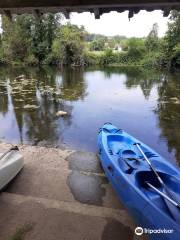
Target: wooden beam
point(96, 13)
point(37, 13)
point(97, 7)
point(166, 12)
point(8, 14)
point(82, 4)
point(66, 14)
point(130, 14)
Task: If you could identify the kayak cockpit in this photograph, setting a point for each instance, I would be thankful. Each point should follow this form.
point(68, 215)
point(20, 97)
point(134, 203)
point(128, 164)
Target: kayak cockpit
point(122, 144)
point(144, 179)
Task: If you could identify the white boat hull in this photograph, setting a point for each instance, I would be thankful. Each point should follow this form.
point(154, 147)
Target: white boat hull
point(10, 165)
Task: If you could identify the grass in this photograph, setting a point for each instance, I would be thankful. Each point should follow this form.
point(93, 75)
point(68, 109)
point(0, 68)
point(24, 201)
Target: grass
point(21, 232)
point(96, 52)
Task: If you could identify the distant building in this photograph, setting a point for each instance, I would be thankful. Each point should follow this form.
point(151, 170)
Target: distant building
point(117, 48)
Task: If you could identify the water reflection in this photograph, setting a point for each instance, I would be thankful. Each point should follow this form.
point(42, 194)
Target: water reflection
point(34, 99)
point(168, 110)
point(3, 97)
point(145, 103)
point(143, 78)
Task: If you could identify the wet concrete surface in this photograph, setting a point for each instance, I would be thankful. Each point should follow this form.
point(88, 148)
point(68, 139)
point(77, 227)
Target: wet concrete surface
point(87, 188)
point(87, 181)
point(71, 198)
point(84, 161)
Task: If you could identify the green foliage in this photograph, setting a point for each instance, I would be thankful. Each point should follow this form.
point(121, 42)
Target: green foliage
point(152, 41)
point(21, 232)
point(111, 43)
point(16, 40)
point(92, 58)
point(176, 55)
point(43, 32)
point(152, 59)
point(136, 49)
point(97, 45)
point(1, 50)
point(118, 38)
point(92, 37)
point(28, 40)
point(68, 47)
point(108, 57)
point(172, 40)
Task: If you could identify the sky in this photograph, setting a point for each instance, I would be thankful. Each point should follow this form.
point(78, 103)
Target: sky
point(114, 23)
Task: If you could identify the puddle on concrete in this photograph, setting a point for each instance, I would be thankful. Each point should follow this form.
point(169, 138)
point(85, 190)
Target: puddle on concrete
point(115, 230)
point(87, 188)
point(84, 161)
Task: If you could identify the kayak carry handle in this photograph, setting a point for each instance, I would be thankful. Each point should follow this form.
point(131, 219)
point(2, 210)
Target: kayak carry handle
point(118, 130)
point(13, 148)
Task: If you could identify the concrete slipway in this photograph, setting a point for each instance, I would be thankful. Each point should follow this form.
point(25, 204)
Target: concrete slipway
point(61, 194)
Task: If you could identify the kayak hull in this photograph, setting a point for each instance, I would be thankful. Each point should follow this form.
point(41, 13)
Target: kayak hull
point(10, 166)
point(147, 209)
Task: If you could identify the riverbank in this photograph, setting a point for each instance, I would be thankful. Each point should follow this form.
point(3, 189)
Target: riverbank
point(61, 194)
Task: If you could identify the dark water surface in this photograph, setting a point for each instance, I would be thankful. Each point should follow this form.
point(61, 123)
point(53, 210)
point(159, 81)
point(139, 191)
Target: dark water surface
point(144, 103)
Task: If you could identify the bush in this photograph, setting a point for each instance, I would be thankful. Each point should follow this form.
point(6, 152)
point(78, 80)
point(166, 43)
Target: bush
point(107, 57)
point(92, 58)
point(136, 49)
point(68, 46)
point(31, 60)
point(175, 58)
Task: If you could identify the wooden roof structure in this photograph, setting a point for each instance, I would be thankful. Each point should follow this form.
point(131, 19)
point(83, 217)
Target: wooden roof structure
point(98, 7)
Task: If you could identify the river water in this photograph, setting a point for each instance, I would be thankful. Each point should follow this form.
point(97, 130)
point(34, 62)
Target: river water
point(144, 103)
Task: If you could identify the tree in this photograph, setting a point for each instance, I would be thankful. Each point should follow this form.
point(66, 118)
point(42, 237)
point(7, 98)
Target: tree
point(68, 47)
point(16, 39)
point(43, 32)
point(151, 42)
point(172, 40)
point(107, 57)
point(1, 49)
point(111, 42)
point(27, 39)
point(136, 49)
point(97, 45)
point(118, 38)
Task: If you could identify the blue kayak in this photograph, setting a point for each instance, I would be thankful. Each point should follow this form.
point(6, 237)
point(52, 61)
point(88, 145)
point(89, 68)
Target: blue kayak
point(151, 204)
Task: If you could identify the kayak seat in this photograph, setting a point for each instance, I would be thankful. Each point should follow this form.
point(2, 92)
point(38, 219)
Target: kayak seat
point(118, 142)
point(170, 181)
point(128, 154)
point(143, 177)
point(172, 184)
point(126, 168)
